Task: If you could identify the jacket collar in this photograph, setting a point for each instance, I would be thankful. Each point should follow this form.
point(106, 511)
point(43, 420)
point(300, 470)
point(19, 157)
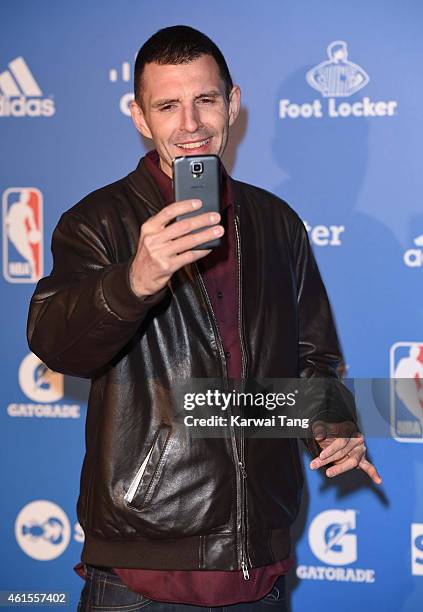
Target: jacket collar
point(143, 184)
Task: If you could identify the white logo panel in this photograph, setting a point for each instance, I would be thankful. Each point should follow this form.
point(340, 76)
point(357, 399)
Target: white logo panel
point(23, 257)
point(330, 537)
point(44, 387)
point(337, 76)
point(332, 540)
point(406, 371)
point(42, 530)
point(38, 382)
point(20, 94)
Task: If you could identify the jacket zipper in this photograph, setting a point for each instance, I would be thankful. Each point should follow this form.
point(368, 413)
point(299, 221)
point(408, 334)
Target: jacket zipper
point(244, 548)
point(238, 463)
point(241, 473)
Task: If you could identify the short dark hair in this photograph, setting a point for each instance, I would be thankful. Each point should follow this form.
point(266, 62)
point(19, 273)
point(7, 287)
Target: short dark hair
point(178, 45)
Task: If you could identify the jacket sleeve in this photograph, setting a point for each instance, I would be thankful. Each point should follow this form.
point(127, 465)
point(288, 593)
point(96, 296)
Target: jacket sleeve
point(319, 351)
point(85, 312)
point(325, 397)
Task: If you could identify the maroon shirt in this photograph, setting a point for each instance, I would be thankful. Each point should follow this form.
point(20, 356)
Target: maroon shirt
point(219, 272)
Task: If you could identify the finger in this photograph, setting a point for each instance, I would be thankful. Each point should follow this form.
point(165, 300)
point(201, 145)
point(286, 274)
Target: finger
point(370, 470)
point(344, 452)
point(184, 226)
point(334, 447)
point(340, 444)
point(188, 257)
point(338, 455)
point(170, 212)
point(349, 464)
point(186, 243)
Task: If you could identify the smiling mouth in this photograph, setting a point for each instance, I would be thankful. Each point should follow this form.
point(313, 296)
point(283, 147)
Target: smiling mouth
point(193, 145)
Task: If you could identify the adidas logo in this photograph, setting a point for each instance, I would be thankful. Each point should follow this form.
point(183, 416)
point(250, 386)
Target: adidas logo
point(20, 94)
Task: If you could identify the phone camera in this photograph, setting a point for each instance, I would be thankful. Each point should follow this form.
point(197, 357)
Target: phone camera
point(197, 167)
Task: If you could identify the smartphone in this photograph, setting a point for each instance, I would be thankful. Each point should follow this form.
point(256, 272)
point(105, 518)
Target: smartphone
point(198, 176)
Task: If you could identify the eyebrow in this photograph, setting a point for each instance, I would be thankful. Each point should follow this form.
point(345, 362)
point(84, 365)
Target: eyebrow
point(206, 94)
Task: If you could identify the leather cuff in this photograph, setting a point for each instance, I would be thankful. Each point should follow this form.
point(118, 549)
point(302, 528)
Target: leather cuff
point(120, 296)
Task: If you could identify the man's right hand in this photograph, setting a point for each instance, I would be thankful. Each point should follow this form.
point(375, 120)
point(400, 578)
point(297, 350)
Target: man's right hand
point(163, 248)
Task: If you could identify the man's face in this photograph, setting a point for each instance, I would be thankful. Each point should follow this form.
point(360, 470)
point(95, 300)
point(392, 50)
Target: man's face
point(185, 109)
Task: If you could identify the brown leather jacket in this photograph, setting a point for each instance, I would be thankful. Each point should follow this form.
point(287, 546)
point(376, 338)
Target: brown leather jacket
point(152, 496)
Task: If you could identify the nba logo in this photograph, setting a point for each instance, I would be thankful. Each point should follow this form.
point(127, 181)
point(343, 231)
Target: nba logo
point(406, 366)
point(22, 235)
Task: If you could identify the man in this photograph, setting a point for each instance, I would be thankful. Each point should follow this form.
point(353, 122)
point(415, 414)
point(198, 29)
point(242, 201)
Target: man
point(129, 303)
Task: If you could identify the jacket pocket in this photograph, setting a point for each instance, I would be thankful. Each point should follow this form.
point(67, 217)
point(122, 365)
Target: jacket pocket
point(142, 486)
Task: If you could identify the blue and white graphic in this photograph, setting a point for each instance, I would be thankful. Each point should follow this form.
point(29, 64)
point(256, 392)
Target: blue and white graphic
point(406, 365)
point(18, 80)
point(38, 382)
point(124, 75)
point(22, 235)
point(20, 93)
point(413, 258)
point(417, 549)
point(330, 122)
point(337, 77)
point(42, 530)
point(46, 390)
point(331, 537)
point(333, 541)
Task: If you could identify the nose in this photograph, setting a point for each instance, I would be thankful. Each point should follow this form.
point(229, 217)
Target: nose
point(190, 119)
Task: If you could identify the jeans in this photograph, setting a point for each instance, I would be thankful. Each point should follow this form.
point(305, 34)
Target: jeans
point(105, 592)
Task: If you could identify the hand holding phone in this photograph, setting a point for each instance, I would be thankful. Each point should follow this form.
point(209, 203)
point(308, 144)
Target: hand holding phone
point(166, 245)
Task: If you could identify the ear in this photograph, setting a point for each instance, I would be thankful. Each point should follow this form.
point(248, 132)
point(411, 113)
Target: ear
point(139, 120)
point(234, 104)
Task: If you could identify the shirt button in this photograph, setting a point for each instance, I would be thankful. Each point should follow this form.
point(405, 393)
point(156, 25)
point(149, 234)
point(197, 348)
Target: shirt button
point(227, 354)
point(219, 294)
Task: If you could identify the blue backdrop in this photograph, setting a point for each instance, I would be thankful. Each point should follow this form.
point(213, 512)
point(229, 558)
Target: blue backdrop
point(331, 122)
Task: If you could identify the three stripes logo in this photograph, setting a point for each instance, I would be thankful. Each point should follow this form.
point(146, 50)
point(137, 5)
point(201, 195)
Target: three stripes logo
point(20, 94)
